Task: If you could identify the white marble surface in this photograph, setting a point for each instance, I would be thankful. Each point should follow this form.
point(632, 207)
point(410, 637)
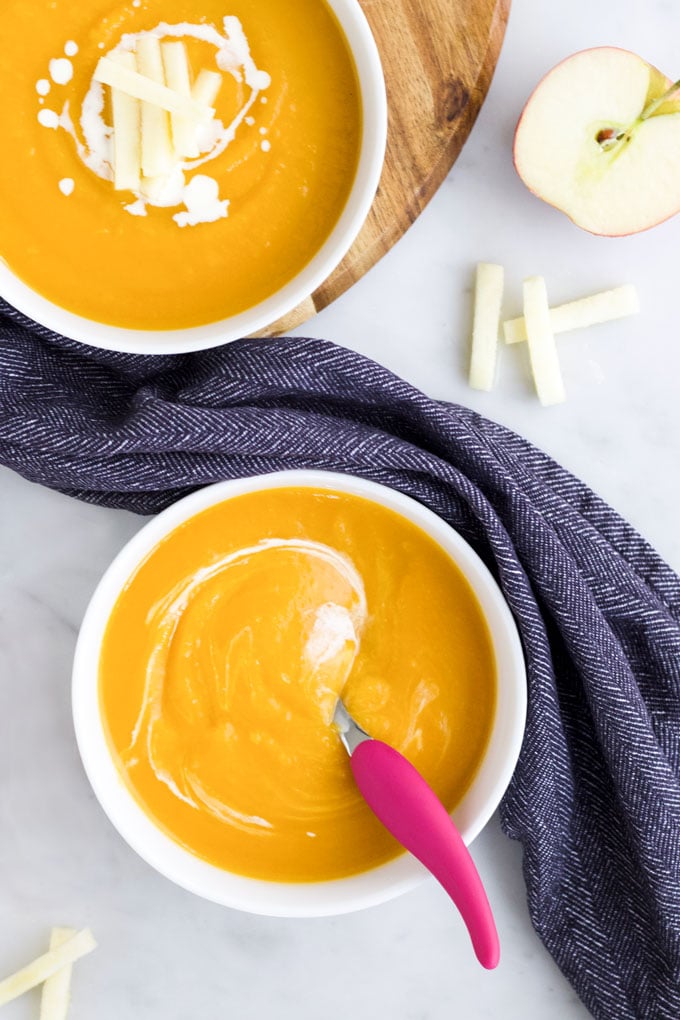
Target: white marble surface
point(163, 953)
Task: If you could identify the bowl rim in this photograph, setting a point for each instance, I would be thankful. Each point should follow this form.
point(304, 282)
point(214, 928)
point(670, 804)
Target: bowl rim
point(101, 335)
point(294, 899)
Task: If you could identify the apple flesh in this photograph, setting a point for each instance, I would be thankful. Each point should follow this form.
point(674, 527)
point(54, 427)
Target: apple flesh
point(599, 139)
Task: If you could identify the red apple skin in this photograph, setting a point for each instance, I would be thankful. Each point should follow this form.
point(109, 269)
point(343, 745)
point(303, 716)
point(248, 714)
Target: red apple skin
point(590, 49)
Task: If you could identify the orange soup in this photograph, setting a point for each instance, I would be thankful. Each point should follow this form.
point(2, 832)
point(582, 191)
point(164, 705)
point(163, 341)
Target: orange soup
point(227, 649)
point(169, 163)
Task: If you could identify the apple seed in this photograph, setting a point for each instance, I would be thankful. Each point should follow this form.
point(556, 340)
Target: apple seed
point(607, 137)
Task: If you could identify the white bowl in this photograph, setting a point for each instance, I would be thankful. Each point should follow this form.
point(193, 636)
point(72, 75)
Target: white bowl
point(295, 899)
point(179, 341)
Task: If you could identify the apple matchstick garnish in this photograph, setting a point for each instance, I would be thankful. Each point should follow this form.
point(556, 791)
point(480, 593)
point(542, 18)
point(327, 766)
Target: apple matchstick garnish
point(600, 140)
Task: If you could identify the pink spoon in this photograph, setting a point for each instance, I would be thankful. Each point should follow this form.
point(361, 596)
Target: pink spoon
point(400, 798)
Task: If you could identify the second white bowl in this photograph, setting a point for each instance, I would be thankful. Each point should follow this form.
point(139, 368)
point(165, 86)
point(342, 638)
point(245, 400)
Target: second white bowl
point(298, 899)
point(371, 157)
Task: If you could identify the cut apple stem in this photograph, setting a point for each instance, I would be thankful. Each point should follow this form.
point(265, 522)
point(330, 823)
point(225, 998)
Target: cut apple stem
point(609, 137)
point(650, 110)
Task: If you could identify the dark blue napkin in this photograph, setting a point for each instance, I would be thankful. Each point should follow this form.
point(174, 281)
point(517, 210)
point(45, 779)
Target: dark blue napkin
point(595, 800)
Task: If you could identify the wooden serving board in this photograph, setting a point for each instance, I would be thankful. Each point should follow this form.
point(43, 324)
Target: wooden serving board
point(438, 58)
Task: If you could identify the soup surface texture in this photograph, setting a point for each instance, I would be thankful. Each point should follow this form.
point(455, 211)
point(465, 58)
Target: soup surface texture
point(196, 238)
point(226, 651)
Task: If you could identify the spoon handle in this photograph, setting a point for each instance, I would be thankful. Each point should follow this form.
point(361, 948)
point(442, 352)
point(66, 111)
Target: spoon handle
point(405, 804)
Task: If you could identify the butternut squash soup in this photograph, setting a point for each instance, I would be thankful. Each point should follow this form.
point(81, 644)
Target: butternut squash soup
point(170, 163)
point(226, 651)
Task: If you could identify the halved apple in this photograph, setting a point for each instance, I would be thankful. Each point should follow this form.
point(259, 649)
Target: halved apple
point(599, 139)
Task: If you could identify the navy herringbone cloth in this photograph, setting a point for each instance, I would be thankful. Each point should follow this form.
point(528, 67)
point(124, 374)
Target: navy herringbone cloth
point(595, 800)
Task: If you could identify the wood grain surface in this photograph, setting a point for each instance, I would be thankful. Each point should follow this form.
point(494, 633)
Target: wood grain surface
point(438, 57)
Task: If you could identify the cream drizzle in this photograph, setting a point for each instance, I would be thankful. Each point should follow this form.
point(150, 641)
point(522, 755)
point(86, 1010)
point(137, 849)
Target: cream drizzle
point(333, 632)
point(95, 147)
